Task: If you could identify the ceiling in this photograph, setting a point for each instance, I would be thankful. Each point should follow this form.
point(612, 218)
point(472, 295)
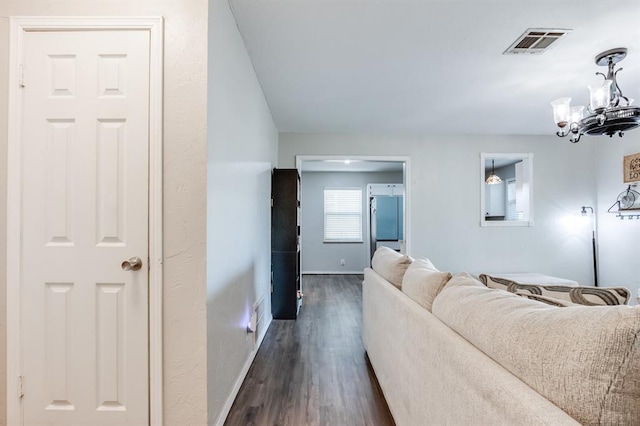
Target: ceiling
point(429, 66)
point(499, 162)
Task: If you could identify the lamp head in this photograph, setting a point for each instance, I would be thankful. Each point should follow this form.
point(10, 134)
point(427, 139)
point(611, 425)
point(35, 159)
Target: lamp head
point(583, 212)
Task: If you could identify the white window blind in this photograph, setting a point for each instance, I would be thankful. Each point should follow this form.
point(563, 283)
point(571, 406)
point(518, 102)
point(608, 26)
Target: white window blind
point(343, 215)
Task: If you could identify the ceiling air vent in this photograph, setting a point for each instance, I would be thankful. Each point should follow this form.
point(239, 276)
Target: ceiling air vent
point(536, 40)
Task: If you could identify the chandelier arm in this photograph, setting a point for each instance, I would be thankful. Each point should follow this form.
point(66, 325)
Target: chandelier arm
point(617, 87)
point(574, 128)
point(574, 139)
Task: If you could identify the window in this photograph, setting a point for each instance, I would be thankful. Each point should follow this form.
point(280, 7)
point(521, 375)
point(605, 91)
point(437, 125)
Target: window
point(343, 215)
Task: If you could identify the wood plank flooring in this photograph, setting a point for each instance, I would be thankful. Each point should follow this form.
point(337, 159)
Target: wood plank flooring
point(314, 371)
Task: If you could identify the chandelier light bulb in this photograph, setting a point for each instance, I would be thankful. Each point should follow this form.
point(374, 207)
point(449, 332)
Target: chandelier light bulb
point(600, 95)
point(577, 113)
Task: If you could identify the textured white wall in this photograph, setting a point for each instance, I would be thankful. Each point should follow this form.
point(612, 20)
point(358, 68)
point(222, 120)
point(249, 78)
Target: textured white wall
point(618, 240)
point(242, 150)
point(321, 257)
point(184, 184)
point(445, 199)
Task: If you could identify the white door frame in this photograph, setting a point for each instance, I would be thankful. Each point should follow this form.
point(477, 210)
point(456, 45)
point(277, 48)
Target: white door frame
point(18, 27)
point(407, 182)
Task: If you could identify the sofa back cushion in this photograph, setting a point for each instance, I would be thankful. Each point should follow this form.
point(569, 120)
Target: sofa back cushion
point(463, 279)
point(584, 359)
point(422, 282)
point(390, 265)
point(592, 296)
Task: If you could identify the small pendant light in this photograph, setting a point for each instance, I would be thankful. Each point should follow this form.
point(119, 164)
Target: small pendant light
point(493, 178)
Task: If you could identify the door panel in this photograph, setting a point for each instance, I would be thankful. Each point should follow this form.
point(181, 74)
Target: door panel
point(85, 144)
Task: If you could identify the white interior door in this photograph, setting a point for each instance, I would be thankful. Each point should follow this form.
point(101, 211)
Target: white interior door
point(85, 182)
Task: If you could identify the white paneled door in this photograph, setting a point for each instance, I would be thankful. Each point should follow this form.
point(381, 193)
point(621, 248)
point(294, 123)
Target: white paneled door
point(85, 182)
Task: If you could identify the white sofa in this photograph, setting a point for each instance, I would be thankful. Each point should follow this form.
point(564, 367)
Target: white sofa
point(431, 375)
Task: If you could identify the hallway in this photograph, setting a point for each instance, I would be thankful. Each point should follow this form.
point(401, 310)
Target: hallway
point(313, 371)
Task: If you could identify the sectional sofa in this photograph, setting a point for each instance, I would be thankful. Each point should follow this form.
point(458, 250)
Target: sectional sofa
point(449, 350)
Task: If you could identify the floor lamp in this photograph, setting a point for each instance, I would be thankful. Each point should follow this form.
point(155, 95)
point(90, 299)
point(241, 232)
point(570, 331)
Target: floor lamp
point(593, 242)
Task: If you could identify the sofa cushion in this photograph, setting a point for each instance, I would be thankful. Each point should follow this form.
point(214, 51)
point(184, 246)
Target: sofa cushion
point(584, 359)
point(390, 265)
point(422, 282)
point(581, 295)
point(463, 279)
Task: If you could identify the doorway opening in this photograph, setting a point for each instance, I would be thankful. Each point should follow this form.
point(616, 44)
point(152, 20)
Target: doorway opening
point(322, 175)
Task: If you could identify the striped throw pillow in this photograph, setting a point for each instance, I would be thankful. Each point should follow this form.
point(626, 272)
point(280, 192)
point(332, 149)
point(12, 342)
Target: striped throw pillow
point(590, 296)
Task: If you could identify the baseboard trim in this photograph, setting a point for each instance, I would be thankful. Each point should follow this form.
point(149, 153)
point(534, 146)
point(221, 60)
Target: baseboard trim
point(243, 374)
point(332, 272)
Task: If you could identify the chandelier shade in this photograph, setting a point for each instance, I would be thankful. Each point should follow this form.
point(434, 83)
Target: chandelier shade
point(609, 111)
point(600, 95)
point(561, 111)
point(577, 113)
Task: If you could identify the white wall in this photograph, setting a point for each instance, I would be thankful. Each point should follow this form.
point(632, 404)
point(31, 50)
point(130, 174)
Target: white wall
point(242, 150)
point(445, 199)
point(320, 257)
point(618, 241)
point(185, 42)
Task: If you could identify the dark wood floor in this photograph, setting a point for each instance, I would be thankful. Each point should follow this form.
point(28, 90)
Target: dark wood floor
point(313, 371)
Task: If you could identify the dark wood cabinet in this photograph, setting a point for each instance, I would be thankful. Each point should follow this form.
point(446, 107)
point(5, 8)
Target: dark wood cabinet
point(286, 291)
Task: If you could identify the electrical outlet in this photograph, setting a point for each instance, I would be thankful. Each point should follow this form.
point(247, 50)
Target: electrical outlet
point(342, 262)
